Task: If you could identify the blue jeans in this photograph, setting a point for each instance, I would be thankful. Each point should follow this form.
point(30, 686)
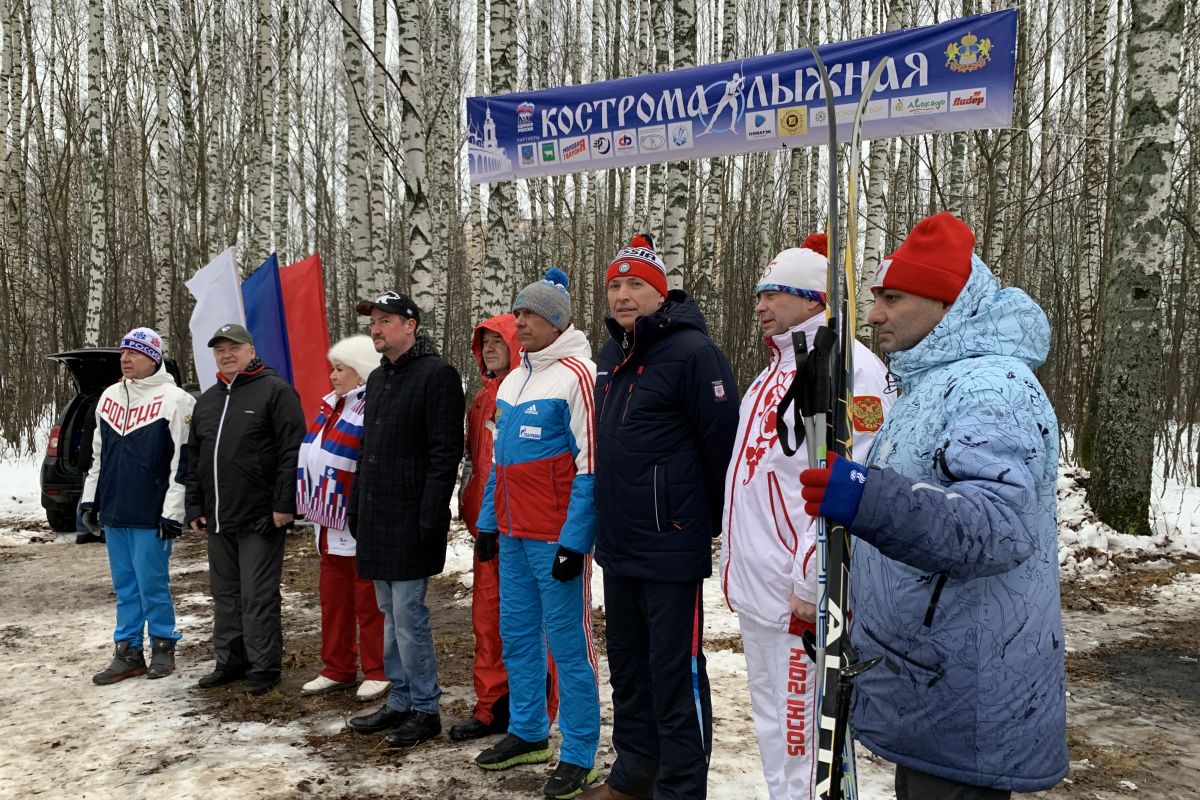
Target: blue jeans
point(140, 565)
point(408, 656)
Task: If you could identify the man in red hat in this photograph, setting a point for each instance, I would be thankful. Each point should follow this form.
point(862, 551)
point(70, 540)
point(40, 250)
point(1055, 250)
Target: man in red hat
point(955, 567)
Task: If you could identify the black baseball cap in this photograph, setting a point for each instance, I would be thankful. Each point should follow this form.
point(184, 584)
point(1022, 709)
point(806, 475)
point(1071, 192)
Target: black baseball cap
point(392, 303)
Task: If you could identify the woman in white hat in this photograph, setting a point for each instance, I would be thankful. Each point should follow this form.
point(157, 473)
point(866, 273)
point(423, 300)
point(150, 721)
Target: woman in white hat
point(351, 623)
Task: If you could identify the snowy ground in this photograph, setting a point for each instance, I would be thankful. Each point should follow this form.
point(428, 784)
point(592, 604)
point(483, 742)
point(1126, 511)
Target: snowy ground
point(1131, 613)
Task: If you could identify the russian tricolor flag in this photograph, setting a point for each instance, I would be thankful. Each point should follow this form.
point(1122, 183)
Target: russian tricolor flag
point(284, 310)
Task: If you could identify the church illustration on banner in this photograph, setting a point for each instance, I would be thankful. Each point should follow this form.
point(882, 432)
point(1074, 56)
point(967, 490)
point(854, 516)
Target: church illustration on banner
point(486, 155)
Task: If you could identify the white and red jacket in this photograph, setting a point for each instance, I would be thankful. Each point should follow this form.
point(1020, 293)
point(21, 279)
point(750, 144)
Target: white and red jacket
point(326, 465)
point(768, 543)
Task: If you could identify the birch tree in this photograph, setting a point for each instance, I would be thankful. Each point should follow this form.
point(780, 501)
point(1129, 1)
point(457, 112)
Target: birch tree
point(96, 182)
point(1129, 389)
point(358, 210)
point(416, 203)
point(164, 275)
point(495, 287)
point(259, 230)
point(678, 172)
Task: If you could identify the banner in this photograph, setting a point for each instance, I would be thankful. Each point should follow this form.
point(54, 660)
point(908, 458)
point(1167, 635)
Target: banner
point(265, 320)
point(955, 76)
point(303, 290)
point(218, 301)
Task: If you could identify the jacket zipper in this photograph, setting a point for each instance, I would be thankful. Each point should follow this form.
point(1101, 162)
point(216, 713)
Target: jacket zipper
point(933, 600)
point(216, 450)
point(629, 395)
point(938, 672)
point(657, 519)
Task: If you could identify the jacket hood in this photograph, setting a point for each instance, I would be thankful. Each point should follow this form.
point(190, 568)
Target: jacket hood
point(506, 326)
point(160, 377)
point(985, 320)
point(570, 344)
point(678, 312)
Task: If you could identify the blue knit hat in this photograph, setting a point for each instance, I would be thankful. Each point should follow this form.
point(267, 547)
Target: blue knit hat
point(548, 298)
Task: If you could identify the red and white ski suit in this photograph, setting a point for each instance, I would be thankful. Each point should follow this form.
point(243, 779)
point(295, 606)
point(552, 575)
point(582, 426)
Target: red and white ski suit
point(768, 553)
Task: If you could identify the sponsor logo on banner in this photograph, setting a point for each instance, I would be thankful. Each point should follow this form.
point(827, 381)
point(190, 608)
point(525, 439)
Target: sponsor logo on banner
point(680, 134)
point(626, 141)
point(652, 140)
point(574, 149)
point(528, 155)
point(876, 109)
point(968, 54)
point(525, 118)
point(549, 152)
point(760, 125)
point(602, 145)
point(968, 99)
point(917, 104)
point(793, 121)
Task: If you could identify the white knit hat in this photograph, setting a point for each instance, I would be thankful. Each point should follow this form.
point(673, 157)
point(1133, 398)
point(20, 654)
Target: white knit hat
point(145, 341)
point(356, 352)
point(798, 270)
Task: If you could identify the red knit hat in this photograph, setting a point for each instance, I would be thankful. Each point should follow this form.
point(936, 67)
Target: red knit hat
point(934, 261)
point(639, 260)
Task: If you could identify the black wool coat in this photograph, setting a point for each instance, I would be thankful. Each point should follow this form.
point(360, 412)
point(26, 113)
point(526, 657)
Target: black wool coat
point(411, 446)
point(666, 418)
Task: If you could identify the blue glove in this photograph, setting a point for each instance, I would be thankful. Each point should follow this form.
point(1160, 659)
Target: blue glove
point(835, 490)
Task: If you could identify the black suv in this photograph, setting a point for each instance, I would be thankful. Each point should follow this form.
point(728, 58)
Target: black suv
point(69, 450)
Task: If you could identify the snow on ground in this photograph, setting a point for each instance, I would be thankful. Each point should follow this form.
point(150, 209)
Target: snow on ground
point(61, 736)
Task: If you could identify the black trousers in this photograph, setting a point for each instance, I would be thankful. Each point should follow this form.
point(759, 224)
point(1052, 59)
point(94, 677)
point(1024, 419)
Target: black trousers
point(662, 712)
point(914, 785)
point(244, 572)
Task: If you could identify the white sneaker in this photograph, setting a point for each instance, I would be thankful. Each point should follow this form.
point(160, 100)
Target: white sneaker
point(373, 690)
point(321, 685)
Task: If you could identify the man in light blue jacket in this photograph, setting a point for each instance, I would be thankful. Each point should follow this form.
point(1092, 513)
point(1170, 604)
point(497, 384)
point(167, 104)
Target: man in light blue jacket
point(954, 574)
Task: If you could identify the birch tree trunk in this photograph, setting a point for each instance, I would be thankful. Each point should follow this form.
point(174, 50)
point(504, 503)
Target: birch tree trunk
point(1129, 388)
point(878, 169)
point(678, 172)
point(96, 182)
point(281, 185)
point(416, 204)
point(357, 146)
point(164, 274)
point(495, 288)
point(260, 228)
point(378, 226)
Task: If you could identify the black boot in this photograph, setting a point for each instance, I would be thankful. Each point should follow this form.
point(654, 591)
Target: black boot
point(419, 727)
point(126, 663)
point(162, 658)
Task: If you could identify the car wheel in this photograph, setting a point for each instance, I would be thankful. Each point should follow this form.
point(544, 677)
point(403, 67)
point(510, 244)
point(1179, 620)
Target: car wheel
point(61, 520)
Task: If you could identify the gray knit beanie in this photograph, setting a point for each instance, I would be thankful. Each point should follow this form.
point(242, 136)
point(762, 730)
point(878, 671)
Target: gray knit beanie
point(548, 298)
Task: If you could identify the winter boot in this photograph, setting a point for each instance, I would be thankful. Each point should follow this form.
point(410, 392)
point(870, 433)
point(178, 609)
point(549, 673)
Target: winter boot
point(162, 658)
point(126, 663)
point(569, 780)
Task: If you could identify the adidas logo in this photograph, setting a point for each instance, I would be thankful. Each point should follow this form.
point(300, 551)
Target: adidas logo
point(531, 410)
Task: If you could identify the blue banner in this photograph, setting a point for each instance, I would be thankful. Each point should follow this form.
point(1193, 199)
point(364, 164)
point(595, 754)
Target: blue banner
point(263, 300)
point(956, 76)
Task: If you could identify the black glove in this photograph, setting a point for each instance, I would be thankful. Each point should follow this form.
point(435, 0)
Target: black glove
point(352, 525)
point(91, 519)
point(567, 565)
point(168, 529)
point(487, 545)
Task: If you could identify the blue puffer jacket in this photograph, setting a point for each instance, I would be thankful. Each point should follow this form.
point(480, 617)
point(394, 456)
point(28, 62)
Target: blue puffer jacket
point(666, 418)
point(955, 566)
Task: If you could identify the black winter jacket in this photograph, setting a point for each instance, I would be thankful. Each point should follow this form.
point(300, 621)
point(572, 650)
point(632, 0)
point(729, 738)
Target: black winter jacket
point(411, 445)
point(666, 418)
point(242, 452)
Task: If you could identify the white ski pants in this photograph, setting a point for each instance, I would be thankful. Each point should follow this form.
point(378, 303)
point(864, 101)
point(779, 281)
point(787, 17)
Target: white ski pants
point(783, 696)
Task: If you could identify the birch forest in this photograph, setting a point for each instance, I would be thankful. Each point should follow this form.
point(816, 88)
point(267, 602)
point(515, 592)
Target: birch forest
point(139, 138)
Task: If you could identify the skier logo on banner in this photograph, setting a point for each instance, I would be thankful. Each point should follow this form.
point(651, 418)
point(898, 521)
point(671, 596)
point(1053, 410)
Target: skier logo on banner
point(731, 99)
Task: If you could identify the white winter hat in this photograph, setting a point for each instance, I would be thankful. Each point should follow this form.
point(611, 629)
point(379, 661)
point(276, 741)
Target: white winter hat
point(798, 270)
point(356, 352)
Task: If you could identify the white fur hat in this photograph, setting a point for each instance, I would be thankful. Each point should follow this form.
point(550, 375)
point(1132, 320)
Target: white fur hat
point(356, 352)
